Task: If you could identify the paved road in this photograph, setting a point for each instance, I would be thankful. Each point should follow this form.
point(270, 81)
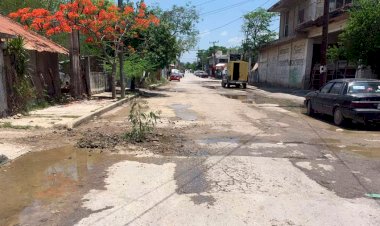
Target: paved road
point(259, 161)
point(246, 157)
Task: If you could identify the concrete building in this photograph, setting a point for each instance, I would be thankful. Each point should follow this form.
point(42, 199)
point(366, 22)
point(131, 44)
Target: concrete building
point(219, 58)
point(292, 60)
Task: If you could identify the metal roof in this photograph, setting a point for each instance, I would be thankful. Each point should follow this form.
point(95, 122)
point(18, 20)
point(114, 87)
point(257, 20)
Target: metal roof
point(33, 41)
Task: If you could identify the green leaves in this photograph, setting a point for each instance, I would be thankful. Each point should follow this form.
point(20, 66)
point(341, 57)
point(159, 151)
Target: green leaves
point(142, 122)
point(361, 38)
point(256, 29)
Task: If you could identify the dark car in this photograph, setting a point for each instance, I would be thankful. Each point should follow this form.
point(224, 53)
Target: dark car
point(353, 99)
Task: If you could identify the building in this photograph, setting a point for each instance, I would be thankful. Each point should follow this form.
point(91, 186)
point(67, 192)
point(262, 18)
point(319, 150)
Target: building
point(43, 62)
point(293, 60)
point(213, 61)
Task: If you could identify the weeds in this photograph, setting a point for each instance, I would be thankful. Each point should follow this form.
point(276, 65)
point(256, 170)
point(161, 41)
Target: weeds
point(10, 126)
point(142, 122)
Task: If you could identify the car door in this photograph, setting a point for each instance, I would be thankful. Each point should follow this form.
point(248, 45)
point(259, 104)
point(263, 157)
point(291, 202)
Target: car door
point(333, 98)
point(318, 103)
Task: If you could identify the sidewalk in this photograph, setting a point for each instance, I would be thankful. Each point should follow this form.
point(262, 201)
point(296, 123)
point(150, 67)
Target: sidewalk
point(295, 95)
point(62, 116)
point(58, 116)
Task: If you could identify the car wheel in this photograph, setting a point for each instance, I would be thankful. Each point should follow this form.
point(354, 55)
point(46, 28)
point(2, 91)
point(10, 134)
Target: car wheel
point(309, 109)
point(228, 85)
point(338, 117)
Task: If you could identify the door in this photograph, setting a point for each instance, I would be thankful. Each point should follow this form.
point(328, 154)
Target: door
point(236, 73)
point(318, 103)
point(333, 98)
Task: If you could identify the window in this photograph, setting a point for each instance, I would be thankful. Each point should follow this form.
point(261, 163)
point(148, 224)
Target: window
point(336, 4)
point(364, 87)
point(326, 88)
point(301, 16)
point(336, 89)
point(286, 24)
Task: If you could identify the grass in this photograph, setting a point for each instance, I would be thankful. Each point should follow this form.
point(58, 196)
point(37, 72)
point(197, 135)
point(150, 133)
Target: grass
point(9, 125)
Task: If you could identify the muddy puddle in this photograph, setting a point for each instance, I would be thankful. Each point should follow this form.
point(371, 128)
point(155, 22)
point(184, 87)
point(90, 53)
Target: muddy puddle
point(35, 185)
point(184, 112)
point(266, 102)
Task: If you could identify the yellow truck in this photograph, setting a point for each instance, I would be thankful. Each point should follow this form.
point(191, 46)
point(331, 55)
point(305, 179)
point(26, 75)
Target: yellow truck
point(237, 74)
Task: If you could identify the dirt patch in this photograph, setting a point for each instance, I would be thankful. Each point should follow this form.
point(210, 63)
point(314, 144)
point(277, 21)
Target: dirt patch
point(97, 140)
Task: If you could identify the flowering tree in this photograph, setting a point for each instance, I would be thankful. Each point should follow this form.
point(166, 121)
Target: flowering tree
point(104, 24)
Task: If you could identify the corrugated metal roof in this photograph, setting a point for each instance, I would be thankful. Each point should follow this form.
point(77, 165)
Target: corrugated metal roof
point(33, 41)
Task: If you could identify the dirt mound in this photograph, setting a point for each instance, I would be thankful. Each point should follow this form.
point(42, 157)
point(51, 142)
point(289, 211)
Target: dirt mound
point(99, 140)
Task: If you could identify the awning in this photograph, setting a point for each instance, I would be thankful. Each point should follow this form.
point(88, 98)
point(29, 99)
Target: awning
point(220, 65)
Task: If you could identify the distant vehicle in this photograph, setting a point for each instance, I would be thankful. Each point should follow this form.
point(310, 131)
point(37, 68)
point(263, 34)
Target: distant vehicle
point(201, 74)
point(175, 76)
point(236, 74)
point(347, 99)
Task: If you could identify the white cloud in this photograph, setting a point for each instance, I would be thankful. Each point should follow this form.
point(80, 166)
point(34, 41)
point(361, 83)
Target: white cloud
point(235, 41)
point(224, 33)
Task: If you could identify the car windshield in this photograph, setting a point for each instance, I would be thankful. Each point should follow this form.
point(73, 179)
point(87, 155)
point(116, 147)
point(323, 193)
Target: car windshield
point(364, 87)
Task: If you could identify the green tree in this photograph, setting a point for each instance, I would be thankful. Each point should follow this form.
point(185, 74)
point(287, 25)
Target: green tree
point(361, 38)
point(182, 21)
point(256, 29)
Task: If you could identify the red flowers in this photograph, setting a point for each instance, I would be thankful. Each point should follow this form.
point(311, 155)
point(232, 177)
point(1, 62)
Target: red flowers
point(97, 21)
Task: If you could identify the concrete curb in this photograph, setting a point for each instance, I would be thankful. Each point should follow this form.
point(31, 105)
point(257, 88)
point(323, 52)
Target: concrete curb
point(88, 117)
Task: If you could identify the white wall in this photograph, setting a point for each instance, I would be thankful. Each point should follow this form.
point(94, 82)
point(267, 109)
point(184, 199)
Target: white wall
point(286, 65)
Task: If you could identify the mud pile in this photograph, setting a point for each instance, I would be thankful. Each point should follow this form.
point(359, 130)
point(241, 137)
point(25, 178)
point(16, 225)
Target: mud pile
point(99, 140)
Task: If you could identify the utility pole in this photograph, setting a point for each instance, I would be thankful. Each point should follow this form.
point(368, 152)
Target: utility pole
point(324, 44)
point(214, 50)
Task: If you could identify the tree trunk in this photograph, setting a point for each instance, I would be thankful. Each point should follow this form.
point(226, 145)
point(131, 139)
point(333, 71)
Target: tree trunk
point(122, 77)
point(133, 84)
point(113, 85)
point(75, 73)
point(121, 61)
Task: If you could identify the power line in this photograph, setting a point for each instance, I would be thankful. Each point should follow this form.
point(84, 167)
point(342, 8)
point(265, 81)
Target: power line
point(204, 3)
point(225, 25)
point(225, 8)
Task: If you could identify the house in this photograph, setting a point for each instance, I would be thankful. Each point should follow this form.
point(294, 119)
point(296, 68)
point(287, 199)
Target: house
point(215, 61)
point(43, 61)
point(3, 97)
point(294, 59)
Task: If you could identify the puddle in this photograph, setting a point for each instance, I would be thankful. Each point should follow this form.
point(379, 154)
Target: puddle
point(182, 111)
point(373, 153)
point(263, 101)
point(37, 181)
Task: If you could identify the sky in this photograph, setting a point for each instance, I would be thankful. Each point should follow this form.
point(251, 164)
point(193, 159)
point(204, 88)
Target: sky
point(220, 21)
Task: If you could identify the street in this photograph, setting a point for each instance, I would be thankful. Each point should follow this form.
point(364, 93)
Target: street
point(218, 157)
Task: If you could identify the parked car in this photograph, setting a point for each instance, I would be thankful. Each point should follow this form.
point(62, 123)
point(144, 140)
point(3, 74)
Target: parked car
point(347, 99)
point(201, 74)
point(175, 76)
point(198, 73)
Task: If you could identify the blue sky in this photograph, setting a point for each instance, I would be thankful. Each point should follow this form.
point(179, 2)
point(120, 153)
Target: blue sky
point(220, 20)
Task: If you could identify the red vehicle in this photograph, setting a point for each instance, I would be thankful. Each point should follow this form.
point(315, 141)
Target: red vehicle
point(175, 76)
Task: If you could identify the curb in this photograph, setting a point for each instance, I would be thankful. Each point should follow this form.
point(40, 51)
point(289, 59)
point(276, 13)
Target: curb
point(88, 117)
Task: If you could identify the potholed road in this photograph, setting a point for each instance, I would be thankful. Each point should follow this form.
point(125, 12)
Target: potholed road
point(247, 157)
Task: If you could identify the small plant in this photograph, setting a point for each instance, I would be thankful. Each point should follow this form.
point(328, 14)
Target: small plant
point(9, 125)
point(142, 122)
